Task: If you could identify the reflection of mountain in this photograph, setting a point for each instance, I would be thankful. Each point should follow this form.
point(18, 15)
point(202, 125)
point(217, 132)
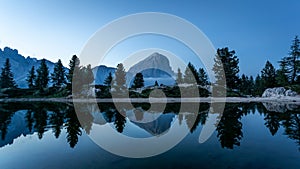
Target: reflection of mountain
point(16, 128)
point(158, 126)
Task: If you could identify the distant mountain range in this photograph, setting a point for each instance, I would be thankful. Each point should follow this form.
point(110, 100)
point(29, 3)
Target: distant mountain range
point(155, 67)
point(20, 65)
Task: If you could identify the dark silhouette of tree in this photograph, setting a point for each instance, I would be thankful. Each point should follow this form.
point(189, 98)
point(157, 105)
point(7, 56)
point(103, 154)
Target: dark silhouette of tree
point(73, 127)
point(40, 117)
point(246, 85)
point(73, 64)
point(42, 77)
point(119, 122)
point(281, 74)
point(120, 76)
point(179, 78)
point(291, 123)
point(56, 120)
point(108, 80)
point(5, 120)
point(268, 75)
point(6, 77)
point(191, 75)
point(203, 79)
point(258, 86)
point(138, 81)
point(31, 77)
point(229, 62)
point(58, 76)
point(156, 83)
point(230, 127)
point(272, 122)
point(293, 60)
point(29, 120)
point(87, 74)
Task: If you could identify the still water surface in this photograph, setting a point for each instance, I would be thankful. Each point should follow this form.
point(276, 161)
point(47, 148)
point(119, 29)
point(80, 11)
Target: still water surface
point(49, 135)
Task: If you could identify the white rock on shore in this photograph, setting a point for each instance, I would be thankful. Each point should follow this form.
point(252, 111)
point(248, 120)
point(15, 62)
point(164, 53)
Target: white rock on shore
point(279, 92)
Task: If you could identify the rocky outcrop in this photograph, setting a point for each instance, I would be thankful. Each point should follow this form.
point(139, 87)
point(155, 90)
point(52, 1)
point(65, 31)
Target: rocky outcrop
point(279, 92)
point(280, 107)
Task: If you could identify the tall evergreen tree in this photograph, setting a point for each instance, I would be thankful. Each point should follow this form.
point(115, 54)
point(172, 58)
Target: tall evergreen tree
point(58, 76)
point(74, 63)
point(191, 75)
point(179, 78)
point(229, 62)
point(282, 73)
point(42, 78)
point(138, 81)
point(203, 79)
point(108, 80)
point(7, 78)
point(31, 77)
point(293, 60)
point(268, 75)
point(120, 75)
point(258, 86)
point(87, 74)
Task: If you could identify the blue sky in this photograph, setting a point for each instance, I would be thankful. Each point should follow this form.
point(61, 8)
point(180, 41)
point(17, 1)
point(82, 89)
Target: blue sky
point(256, 30)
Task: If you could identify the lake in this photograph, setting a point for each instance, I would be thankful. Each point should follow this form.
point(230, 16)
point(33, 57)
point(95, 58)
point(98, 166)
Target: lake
point(59, 135)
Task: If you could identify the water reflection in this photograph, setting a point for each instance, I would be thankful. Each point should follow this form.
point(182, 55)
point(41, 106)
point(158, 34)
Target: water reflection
point(18, 119)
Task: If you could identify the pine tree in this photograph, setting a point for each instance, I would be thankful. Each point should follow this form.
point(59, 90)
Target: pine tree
point(138, 81)
point(87, 74)
point(293, 60)
point(108, 80)
point(227, 61)
point(268, 75)
point(31, 77)
point(42, 78)
point(74, 63)
point(258, 86)
point(282, 73)
point(156, 83)
point(58, 75)
point(179, 79)
point(191, 75)
point(203, 79)
point(7, 78)
point(120, 75)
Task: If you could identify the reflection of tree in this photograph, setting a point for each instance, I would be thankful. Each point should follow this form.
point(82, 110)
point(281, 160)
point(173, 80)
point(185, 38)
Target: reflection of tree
point(40, 117)
point(29, 120)
point(84, 114)
point(5, 119)
point(230, 128)
point(73, 126)
point(119, 122)
point(272, 122)
point(57, 121)
point(291, 123)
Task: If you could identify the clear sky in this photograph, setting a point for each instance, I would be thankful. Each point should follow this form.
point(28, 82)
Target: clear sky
point(257, 30)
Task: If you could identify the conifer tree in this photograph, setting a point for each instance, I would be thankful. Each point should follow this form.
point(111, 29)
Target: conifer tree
point(227, 61)
point(282, 73)
point(293, 60)
point(42, 77)
point(58, 76)
point(74, 63)
point(191, 75)
point(6, 77)
point(31, 77)
point(108, 80)
point(120, 75)
point(179, 79)
point(203, 79)
point(138, 81)
point(268, 75)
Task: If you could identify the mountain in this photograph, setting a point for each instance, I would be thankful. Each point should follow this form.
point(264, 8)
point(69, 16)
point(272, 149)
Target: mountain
point(155, 67)
point(101, 72)
point(20, 65)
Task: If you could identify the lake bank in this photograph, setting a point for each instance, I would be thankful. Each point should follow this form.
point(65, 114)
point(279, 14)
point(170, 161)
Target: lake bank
point(295, 100)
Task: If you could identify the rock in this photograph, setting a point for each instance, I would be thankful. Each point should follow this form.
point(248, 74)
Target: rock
point(280, 107)
point(279, 92)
